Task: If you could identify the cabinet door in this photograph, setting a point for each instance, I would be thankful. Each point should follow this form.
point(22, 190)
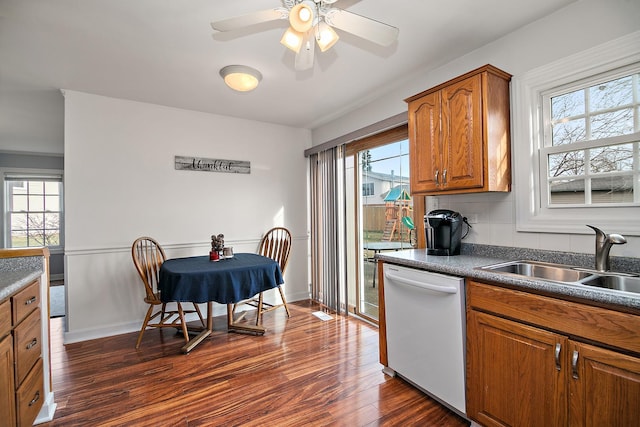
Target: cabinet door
point(605, 387)
point(424, 143)
point(514, 376)
point(462, 137)
point(7, 387)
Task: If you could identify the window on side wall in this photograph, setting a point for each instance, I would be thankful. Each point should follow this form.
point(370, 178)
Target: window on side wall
point(34, 210)
point(591, 133)
point(577, 142)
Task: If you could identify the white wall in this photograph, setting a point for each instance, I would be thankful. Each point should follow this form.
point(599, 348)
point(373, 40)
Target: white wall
point(577, 27)
point(120, 183)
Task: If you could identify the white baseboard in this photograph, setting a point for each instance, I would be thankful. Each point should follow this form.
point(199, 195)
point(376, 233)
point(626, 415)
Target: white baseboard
point(125, 328)
point(47, 411)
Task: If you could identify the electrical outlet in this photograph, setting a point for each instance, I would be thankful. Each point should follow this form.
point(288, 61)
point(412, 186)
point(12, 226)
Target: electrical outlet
point(472, 218)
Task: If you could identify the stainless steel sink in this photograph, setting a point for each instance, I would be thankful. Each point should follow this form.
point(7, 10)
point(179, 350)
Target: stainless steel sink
point(568, 274)
point(617, 282)
point(555, 272)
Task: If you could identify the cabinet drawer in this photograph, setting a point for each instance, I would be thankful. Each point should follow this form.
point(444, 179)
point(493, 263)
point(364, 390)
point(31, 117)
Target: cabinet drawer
point(27, 345)
point(5, 318)
point(25, 301)
point(30, 396)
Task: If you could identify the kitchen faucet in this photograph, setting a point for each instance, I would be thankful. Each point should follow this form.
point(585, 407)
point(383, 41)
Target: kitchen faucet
point(603, 246)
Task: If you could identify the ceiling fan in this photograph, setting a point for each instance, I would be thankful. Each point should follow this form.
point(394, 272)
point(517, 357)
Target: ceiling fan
point(311, 20)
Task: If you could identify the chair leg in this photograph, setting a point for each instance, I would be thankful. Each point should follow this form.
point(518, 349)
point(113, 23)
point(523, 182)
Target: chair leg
point(197, 309)
point(259, 315)
point(284, 301)
point(183, 323)
point(144, 325)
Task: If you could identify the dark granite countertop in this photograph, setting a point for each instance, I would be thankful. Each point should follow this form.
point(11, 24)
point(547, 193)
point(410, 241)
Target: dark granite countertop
point(473, 256)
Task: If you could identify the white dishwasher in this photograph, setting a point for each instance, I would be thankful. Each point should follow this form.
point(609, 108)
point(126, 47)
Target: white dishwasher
point(425, 326)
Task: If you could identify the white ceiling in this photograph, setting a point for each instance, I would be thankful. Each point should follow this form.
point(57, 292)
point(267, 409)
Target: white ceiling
point(165, 52)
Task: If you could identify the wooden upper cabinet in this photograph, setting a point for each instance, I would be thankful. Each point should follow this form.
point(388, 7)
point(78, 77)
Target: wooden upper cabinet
point(459, 135)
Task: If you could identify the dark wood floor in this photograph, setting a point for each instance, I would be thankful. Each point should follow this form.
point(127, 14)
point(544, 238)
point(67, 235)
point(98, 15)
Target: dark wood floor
point(302, 372)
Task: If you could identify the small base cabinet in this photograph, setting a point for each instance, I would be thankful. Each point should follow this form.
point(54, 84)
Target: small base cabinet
point(605, 387)
point(516, 381)
point(21, 365)
point(7, 385)
point(539, 361)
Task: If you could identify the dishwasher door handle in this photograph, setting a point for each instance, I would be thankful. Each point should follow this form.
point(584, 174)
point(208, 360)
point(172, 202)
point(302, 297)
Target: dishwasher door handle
point(422, 285)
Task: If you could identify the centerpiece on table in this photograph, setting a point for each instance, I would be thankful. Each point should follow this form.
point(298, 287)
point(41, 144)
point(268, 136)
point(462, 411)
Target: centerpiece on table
point(217, 246)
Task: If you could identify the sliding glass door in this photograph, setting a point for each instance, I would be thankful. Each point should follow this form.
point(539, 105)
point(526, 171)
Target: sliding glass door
point(383, 217)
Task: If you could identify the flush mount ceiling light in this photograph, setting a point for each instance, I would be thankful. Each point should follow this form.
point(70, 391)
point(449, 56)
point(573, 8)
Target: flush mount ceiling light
point(313, 19)
point(241, 77)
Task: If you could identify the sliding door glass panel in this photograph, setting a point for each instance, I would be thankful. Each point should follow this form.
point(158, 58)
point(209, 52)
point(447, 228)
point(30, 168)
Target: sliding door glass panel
point(385, 214)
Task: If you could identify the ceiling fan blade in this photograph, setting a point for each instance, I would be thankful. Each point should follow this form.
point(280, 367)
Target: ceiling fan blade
point(304, 57)
point(366, 28)
point(242, 21)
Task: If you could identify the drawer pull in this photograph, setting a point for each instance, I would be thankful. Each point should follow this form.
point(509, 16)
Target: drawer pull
point(35, 398)
point(32, 344)
point(31, 300)
point(574, 364)
point(557, 355)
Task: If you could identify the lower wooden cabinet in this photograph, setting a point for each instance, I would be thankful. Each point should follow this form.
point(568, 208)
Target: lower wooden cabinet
point(29, 396)
point(7, 396)
point(604, 387)
point(531, 373)
point(21, 364)
point(515, 380)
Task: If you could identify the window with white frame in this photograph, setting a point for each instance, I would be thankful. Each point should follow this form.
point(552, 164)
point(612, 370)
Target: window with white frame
point(367, 189)
point(591, 139)
point(33, 210)
point(576, 141)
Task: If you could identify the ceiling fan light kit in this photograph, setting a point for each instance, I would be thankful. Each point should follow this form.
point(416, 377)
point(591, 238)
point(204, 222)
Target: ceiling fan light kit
point(292, 40)
point(326, 37)
point(302, 15)
point(313, 19)
point(241, 77)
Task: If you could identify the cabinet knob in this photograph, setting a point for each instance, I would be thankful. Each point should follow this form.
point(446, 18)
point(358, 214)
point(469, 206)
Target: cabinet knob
point(31, 300)
point(574, 364)
point(557, 355)
point(444, 177)
point(437, 177)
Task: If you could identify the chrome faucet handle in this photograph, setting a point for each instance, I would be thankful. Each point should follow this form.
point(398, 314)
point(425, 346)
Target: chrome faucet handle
point(616, 239)
point(604, 242)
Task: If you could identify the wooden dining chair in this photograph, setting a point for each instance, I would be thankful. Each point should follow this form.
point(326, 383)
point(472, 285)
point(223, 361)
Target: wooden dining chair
point(148, 257)
point(275, 244)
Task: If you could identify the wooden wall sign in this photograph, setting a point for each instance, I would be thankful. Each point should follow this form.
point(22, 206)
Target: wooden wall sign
point(212, 165)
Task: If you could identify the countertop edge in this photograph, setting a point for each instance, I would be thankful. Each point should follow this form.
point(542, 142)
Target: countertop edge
point(13, 281)
point(465, 266)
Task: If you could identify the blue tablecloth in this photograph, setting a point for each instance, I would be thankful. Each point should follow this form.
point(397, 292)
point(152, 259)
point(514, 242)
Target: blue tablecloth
point(227, 281)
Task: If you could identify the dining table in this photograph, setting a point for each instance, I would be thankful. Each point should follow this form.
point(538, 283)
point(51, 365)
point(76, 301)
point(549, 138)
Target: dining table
point(228, 280)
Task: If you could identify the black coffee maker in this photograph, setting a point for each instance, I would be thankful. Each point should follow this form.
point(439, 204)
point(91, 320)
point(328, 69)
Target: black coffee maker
point(443, 232)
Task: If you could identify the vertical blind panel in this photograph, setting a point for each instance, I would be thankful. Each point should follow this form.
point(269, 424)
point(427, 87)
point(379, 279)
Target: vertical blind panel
point(327, 228)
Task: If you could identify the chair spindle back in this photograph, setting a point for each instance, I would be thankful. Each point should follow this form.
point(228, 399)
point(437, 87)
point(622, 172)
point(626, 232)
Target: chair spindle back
point(276, 244)
point(148, 256)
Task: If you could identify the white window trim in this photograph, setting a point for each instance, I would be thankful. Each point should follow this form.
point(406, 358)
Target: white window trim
point(4, 236)
point(528, 137)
